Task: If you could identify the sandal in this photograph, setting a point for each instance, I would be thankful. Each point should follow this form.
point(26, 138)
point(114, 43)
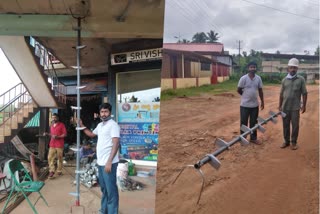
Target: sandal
point(256, 142)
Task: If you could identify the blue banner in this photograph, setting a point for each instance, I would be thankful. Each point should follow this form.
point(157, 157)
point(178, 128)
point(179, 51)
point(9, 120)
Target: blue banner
point(139, 141)
point(139, 128)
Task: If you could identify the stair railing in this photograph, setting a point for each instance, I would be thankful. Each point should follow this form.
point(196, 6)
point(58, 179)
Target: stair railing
point(12, 104)
point(47, 61)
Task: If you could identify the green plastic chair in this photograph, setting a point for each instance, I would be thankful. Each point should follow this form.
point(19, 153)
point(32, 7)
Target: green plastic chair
point(25, 185)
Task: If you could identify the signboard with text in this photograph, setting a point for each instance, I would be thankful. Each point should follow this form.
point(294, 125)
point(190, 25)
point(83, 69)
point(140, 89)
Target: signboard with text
point(139, 125)
point(136, 56)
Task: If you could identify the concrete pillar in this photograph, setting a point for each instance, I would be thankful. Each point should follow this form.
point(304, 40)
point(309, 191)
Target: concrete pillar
point(112, 91)
point(43, 127)
point(182, 64)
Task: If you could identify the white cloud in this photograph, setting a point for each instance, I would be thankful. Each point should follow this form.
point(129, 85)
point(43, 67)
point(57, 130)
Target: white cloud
point(9, 78)
point(258, 27)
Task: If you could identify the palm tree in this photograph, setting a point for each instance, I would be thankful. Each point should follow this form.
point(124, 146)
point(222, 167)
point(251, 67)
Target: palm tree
point(199, 38)
point(212, 37)
point(185, 41)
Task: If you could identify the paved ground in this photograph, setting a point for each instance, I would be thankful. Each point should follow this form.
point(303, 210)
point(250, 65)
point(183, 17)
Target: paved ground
point(57, 190)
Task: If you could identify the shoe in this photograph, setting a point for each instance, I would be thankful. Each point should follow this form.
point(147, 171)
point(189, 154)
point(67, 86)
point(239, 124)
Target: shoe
point(284, 145)
point(59, 173)
point(256, 142)
point(51, 174)
point(294, 146)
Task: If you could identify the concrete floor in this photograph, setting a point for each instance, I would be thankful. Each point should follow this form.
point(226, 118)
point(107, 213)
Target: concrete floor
point(56, 191)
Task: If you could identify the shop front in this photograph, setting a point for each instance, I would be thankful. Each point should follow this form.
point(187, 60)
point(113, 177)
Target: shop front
point(137, 74)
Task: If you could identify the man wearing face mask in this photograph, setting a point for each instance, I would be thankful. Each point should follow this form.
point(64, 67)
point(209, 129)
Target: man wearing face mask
point(292, 89)
point(57, 133)
point(108, 132)
point(248, 87)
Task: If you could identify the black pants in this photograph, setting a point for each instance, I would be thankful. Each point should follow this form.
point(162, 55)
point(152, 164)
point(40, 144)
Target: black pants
point(292, 118)
point(245, 114)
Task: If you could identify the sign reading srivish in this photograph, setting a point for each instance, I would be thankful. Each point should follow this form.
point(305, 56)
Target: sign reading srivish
point(136, 56)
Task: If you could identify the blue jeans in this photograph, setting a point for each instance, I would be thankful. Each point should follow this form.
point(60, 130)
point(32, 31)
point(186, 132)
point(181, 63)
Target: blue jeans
point(109, 189)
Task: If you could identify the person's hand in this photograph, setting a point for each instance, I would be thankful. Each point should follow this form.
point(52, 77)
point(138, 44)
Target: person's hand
point(81, 123)
point(107, 167)
point(45, 133)
point(303, 109)
point(262, 105)
point(54, 136)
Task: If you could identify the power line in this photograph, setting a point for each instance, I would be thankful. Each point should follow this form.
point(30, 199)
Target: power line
point(209, 18)
point(189, 12)
point(280, 10)
point(187, 18)
point(312, 2)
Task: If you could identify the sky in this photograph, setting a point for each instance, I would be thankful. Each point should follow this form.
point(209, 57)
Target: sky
point(9, 78)
point(290, 26)
point(143, 96)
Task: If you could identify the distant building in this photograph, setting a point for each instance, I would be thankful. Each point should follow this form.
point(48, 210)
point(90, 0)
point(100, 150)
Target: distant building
point(196, 60)
point(278, 63)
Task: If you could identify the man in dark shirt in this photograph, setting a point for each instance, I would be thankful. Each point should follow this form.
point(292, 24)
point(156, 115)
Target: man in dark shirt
point(292, 89)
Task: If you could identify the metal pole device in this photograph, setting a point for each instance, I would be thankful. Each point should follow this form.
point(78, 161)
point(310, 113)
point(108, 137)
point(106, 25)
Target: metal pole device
point(78, 108)
point(223, 146)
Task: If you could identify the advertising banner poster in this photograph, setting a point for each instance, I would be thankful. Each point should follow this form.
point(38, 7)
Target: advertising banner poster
point(139, 124)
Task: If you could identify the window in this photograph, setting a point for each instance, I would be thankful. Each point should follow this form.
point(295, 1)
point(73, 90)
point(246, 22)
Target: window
point(205, 67)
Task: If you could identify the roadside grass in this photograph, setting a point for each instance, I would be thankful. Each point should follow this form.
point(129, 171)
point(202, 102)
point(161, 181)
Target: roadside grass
point(224, 87)
point(227, 86)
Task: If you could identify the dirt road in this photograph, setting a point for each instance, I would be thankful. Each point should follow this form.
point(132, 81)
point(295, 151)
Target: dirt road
point(252, 179)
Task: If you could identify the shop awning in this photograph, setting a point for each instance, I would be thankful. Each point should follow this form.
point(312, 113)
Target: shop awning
point(35, 121)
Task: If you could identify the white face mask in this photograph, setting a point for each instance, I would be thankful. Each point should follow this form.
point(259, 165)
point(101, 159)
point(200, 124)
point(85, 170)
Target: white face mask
point(289, 76)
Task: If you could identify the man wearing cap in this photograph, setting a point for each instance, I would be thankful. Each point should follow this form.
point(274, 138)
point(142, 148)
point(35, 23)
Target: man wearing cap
point(292, 88)
point(248, 87)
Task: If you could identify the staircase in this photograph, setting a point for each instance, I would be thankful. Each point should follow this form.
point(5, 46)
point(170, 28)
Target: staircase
point(17, 107)
point(40, 87)
point(44, 59)
point(45, 89)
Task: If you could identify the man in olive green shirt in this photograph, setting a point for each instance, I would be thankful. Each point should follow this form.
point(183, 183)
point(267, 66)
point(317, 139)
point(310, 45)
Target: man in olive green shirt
point(292, 89)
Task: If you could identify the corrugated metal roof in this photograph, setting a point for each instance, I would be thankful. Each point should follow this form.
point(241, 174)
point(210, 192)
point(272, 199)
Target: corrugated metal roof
point(35, 121)
point(196, 47)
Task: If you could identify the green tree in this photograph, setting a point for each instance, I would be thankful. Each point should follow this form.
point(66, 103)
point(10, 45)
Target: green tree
point(244, 53)
point(245, 58)
point(317, 51)
point(156, 99)
point(134, 99)
point(185, 41)
point(199, 38)
point(212, 37)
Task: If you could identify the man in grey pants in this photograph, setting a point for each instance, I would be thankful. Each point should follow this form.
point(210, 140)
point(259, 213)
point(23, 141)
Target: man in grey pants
point(248, 87)
point(292, 88)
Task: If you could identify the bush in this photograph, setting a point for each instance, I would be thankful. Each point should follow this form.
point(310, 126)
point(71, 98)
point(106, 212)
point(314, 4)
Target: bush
point(271, 78)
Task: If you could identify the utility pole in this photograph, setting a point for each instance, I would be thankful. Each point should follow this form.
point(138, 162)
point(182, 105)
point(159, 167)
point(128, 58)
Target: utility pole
point(239, 47)
point(178, 37)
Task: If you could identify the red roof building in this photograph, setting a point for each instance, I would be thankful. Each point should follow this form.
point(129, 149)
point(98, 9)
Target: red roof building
point(196, 47)
point(196, 60)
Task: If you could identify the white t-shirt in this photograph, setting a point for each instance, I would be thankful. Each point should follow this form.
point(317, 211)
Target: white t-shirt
point(249, 97)
point(105, 132)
